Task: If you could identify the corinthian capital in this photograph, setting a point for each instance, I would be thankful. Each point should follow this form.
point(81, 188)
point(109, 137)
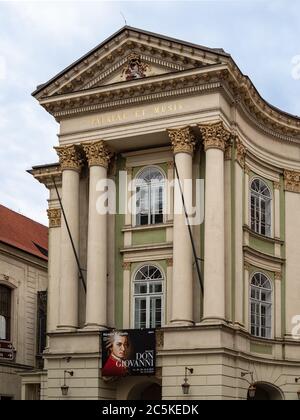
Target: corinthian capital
point(54, 216)
point(69, 157)
point(215, 136)
point(241, 152)
point(292, 181)
point(182, 139)
point(97, 153)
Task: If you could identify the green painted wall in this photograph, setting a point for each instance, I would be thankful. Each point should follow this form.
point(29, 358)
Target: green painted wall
point(119, 242)
point(149, 236)
point(262, 245)
point(261, 348)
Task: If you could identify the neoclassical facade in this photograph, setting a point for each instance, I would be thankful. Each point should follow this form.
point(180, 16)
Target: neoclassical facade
point(145, 107)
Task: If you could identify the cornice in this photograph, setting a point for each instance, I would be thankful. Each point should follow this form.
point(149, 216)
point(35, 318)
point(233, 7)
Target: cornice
point(262, 237)
point(45, 175)
point(105, 56)
point(265, 117)
point(263, 256)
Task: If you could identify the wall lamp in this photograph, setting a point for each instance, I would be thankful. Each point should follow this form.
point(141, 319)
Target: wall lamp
point(252, 387)
point(298, 392)
point(64, 388)
point(186, 386)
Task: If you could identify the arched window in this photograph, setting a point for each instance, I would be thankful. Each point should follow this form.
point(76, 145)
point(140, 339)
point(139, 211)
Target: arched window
point(260, 207)
point(261, 306)
point(5, 312)
point(150, 185)
point(148, 297)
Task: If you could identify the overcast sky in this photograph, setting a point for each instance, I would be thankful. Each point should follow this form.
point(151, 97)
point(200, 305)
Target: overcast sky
point(40, 38)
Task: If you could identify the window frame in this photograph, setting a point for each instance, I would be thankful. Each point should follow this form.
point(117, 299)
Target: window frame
point(148, 295)
point(8, 325)
point(164, 197)
point(261, 303)
point(258, 195)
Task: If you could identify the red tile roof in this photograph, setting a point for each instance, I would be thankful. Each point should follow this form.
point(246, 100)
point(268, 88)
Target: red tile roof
point(23, 233)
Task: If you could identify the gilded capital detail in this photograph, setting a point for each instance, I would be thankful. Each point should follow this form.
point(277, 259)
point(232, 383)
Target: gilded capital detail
point(276, 185)
point(97, 153)
point(277, 275)
point(69, 157)
point(126, 265)
point(215, 136)
point(241, 152)
point(182, 139)
point(292, 181)
point(54, 216)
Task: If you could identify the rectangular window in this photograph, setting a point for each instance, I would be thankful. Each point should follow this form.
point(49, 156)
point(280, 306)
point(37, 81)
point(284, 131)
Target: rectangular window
point(5, 313)
point(41, 327)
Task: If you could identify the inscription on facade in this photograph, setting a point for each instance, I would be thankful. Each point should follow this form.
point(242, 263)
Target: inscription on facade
point(136, 114)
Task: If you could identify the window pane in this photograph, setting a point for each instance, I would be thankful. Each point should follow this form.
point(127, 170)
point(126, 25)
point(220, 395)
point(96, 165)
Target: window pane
point(2, 328)
point(140, 313)
point(140, 288)
point(155, 312)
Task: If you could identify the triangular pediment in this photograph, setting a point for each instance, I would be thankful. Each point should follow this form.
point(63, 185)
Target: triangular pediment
point(129, 55)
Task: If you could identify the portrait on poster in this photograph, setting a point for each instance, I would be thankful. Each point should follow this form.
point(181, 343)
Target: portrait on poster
point(128, 352)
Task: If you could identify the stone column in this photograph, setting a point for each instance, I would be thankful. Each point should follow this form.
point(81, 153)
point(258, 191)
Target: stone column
point(98, 158)
point(54, 215)
point(183, 143)
point(215, 137)
point(70, 161)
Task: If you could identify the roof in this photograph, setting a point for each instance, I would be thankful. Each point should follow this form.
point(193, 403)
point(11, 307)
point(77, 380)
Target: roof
point(23, 233)
point(218, 51)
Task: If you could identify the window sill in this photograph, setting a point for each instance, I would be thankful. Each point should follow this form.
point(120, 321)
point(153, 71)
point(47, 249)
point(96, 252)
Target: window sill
point(147, 227)
point(262, 237)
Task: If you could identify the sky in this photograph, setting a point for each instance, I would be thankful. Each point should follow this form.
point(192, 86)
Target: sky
point(38, 39)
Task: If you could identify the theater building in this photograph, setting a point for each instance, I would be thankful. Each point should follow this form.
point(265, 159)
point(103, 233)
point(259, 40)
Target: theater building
point(128, 110)
point(23, 286)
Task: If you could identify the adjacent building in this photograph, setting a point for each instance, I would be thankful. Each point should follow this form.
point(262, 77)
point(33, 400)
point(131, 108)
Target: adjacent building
point(147, 108)
point(23, 285)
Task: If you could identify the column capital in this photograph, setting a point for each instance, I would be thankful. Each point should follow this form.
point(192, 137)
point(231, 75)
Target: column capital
point(241, 152)
point(97, 153)
point(215, 135)
point(69, 157)
point(54, 216)
point(182, 139)
point(292, 181)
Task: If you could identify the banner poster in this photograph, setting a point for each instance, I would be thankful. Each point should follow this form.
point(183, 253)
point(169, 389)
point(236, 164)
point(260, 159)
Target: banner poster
point(128, 352)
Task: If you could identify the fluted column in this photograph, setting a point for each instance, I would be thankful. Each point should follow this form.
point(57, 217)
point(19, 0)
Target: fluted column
point(183, 143)
point(70, 162)
point(215, 137)
point(98, 157)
